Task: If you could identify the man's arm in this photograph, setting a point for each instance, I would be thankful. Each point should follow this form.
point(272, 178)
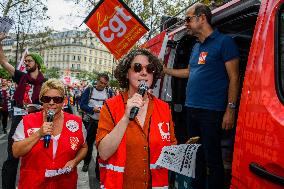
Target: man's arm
point(181, 73)
point(3, 60)
point(85, 101)
point(232, 67)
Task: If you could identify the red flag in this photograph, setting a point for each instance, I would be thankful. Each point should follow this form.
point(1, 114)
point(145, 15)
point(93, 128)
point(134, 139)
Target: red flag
point(21, 66)
point(116, 26)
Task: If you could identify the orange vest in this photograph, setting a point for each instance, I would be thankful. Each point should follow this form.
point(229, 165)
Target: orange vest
point(111, 170)
point(35, 162)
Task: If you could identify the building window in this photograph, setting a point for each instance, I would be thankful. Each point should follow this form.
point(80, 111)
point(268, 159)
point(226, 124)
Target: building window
point(74, 58)
point(79, 58)
point(78, 66)
point(85, 59)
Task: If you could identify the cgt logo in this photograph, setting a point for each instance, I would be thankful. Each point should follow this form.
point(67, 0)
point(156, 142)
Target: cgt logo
point(116, 26)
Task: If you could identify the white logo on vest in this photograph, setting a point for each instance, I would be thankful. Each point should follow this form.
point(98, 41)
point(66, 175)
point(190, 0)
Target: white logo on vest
point(74, 141)
point(72, 125)
point(164, 130)
point(32, 131)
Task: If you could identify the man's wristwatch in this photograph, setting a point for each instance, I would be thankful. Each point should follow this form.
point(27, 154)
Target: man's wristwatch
point(232, 105)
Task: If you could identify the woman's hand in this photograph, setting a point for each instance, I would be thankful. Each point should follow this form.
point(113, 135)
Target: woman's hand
point(46, 129)
point(72, 164)
point(135, 101)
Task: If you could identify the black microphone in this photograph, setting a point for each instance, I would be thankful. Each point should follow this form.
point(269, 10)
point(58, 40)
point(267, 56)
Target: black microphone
point(142, 88)
point(49, 118)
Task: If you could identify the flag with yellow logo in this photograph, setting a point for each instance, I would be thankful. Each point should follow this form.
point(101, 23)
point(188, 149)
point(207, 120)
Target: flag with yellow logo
point(116, 26)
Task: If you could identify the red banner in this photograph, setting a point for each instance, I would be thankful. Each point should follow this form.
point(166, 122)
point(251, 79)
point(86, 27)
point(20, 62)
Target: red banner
point(116, 26)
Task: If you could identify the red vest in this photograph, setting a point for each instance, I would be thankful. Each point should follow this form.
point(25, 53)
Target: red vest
point(35, 163)
point(111, 171)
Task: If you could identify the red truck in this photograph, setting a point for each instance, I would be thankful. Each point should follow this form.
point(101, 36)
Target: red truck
point(258, 29)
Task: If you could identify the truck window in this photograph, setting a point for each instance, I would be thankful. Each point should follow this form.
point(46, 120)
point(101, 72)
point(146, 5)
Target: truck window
point(279, 53)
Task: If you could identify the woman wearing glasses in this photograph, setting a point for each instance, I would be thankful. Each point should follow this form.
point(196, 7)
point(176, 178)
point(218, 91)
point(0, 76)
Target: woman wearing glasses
point(53, 166)
point(129, 148)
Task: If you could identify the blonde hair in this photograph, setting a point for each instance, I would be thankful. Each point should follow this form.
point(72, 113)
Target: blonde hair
point(52, 84)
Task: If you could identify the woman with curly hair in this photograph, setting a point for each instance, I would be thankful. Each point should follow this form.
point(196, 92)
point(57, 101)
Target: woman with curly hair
point(129, 148)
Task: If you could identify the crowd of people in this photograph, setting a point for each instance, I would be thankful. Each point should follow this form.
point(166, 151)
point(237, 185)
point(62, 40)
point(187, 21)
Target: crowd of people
point(126, 126)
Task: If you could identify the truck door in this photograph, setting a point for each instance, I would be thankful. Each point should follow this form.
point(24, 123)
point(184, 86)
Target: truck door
point(258, 161)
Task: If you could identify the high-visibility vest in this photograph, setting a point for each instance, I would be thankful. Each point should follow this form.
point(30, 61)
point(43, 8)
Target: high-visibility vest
point(111, 170)
point(39, 159)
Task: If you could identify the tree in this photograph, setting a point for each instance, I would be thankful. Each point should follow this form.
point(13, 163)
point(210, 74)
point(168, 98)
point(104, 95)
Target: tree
point(150, 11)
point(52, 73)
point(28, 15)
point(4, 73)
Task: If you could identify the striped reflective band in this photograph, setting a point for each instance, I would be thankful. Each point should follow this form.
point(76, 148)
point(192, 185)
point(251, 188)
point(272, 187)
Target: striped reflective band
point(154, 166)
point(112, 167)
point(163, 187)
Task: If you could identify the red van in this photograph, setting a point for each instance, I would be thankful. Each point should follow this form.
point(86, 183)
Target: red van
point(258, 29)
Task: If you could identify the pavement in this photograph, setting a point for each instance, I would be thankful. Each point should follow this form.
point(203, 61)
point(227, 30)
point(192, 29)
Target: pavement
point(86, 180)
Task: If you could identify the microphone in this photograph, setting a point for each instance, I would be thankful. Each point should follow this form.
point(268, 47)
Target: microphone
point(142, 88)
point(49, 118)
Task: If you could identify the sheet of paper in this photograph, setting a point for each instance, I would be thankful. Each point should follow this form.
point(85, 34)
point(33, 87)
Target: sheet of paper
point(53, 173)
point(20, 111)
point(5, 24)
point(179, 158)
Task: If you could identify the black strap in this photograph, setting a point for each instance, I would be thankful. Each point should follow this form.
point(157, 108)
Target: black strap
point(110, 113)
point(90, 94)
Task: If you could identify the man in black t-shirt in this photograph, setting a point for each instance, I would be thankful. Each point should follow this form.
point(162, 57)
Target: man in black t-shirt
point(26, 99)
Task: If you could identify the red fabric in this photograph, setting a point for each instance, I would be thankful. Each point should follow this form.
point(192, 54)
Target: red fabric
point(116, 26)
point(161, 114)
point(19, 95)
point(5, 101)
point(34, 164)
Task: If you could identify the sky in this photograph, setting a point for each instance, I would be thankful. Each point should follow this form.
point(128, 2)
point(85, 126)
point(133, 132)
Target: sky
point(58, 10)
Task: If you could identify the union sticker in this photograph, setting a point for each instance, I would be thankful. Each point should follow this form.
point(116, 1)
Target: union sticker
point(164, 131)
point(74, 141)
point(202, 57)
point(72, 125)
point(32, 131)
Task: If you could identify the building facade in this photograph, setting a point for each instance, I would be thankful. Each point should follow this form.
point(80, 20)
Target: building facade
point(70, 51)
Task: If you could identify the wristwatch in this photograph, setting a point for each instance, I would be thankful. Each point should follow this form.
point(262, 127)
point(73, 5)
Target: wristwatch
point(232, 105)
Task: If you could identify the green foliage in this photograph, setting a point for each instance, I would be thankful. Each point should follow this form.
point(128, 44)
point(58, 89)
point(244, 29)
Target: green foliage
point(114, 83)
point(4, 73)
point(52, 73)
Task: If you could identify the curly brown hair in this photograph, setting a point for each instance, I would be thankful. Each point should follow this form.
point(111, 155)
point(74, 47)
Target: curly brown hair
point(124, 64)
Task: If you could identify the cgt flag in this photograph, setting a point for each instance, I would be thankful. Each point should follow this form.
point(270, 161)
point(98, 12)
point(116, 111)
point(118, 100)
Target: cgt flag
point(116, 25)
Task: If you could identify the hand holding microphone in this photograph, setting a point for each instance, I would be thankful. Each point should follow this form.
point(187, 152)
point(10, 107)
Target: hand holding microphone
point(142, 88)
point(49, 118)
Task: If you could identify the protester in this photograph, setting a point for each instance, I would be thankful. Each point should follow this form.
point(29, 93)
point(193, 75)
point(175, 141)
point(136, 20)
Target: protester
point(67, 146)
point(27, 93)
point(131, 148)
point(211, 92)
point(91, 102)
point(5, 98)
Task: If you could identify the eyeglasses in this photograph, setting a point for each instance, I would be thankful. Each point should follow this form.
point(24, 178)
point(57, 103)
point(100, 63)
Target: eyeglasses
point(28, 61)
point(137, 67)
point(188, 18)
point(56, 99)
